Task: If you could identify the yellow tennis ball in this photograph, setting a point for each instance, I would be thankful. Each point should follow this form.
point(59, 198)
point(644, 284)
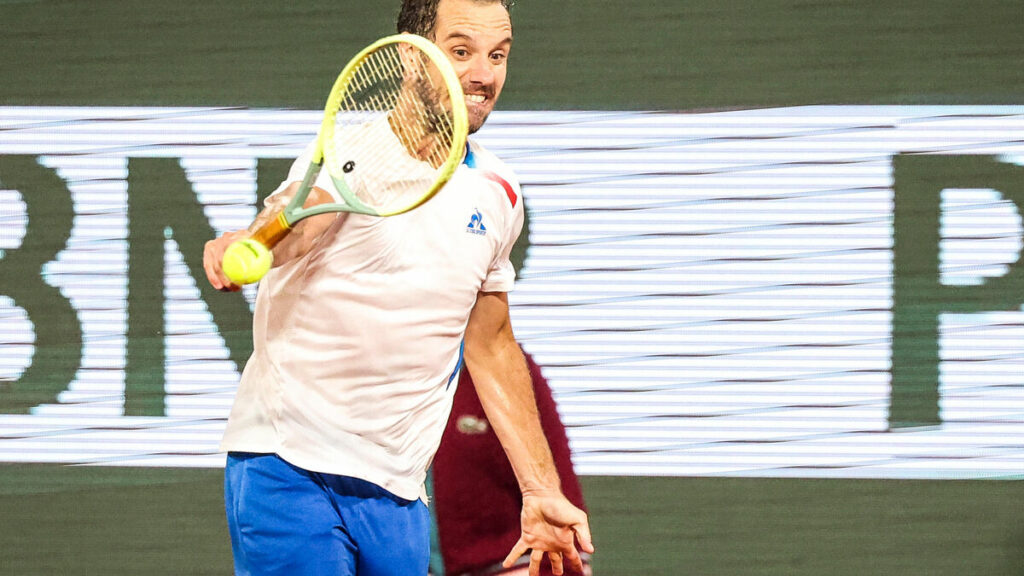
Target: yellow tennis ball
point(246, 261)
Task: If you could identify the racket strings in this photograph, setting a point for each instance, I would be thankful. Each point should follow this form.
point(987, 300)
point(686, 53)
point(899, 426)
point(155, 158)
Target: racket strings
point(427, 124)
point(395, 85)
point(435, 114)
point(386, 98)
point(370, 94)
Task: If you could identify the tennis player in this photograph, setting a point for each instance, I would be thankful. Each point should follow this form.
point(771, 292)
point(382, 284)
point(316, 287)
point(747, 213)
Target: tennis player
point(360, 331)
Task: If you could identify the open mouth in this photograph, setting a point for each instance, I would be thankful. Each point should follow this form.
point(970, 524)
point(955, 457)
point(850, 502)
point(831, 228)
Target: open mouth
point(476, 98)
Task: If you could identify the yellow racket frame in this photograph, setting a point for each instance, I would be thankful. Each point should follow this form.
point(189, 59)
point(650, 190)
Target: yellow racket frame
point(275, 230)
point(460, 126)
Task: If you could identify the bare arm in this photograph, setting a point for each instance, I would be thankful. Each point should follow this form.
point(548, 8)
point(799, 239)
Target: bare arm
point(549, 521)
point(295, 245)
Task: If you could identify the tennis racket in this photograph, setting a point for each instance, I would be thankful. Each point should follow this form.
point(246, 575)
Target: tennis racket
point(393, 133)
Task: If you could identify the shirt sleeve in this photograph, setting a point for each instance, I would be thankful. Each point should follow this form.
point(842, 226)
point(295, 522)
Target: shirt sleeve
point(502, 275)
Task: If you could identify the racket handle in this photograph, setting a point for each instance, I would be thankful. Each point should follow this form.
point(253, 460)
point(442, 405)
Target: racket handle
point(271, 233)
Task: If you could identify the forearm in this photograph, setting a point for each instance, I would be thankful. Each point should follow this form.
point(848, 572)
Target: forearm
point(503, 384)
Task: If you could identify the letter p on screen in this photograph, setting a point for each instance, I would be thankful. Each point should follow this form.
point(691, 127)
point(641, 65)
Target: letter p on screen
point(920, 295)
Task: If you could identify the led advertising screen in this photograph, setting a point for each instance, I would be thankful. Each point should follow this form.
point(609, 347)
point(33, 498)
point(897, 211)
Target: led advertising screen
point(821, 291)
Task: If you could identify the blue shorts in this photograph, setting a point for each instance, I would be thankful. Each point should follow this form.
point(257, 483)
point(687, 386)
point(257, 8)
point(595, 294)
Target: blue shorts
point(285, 520)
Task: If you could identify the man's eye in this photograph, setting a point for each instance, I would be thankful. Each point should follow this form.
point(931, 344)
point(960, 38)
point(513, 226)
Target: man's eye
point(498, 57)
point(461, 53)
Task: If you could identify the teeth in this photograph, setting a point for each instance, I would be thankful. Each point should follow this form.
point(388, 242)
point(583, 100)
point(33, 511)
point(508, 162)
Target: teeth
point(476, 98)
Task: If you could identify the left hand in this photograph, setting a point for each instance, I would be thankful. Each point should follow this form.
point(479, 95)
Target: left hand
point(551, 525)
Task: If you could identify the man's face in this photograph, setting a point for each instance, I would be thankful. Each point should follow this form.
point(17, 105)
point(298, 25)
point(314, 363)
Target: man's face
point(477, 38)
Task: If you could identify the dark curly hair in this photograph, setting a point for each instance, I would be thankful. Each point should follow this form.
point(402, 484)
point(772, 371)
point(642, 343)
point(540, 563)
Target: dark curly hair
point(420, 16)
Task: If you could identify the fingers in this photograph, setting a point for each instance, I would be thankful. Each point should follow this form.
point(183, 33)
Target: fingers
point(574, 558)
point(535, 559)
point(557, 560)
point(582, 530)
point(552, 526)
point(213, 254)
point(556, 563)
point(518, 550)
point(211, 265)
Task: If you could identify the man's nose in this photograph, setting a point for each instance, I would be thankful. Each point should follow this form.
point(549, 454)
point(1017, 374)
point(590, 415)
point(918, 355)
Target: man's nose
point(480, 71)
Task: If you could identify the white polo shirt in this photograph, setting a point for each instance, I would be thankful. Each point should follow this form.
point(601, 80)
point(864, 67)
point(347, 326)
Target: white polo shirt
point(357, 345)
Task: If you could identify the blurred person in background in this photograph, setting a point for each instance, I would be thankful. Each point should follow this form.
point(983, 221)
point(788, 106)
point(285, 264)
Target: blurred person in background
point(476, 499)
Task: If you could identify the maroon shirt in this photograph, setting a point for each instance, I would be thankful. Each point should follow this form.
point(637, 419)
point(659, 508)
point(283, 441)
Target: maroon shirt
point(476, 496)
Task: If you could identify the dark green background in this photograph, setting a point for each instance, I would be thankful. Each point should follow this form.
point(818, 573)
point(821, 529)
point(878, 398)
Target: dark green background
point(61, 520)
point(598, 54)
point(574, 54)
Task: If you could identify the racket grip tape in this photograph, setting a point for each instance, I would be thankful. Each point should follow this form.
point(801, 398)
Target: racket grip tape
point(271, 233)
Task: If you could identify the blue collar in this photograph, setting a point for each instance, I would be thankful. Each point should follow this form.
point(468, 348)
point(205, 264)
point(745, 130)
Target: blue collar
point(470, 159)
